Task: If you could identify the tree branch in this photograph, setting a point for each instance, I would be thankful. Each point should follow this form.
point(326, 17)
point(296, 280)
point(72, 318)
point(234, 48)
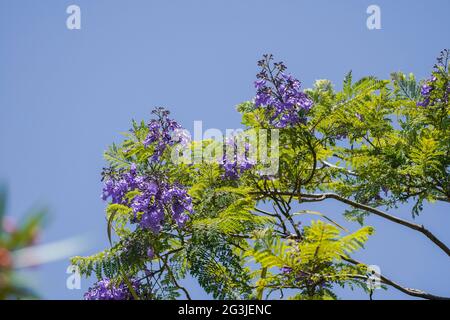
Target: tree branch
point(444, 199)
point(330, 165)
point(174, 280)
point(408, 291)
point(413, 226)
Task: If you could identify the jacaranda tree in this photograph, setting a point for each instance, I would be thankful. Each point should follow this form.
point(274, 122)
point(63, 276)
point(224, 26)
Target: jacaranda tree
point(237, 228)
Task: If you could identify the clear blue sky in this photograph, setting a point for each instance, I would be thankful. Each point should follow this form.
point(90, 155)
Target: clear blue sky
point(66, 95)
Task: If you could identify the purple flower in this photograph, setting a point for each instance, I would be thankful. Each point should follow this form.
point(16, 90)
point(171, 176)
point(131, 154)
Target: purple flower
point(424, 103)
point(106, 290)
point(116, 189)
point(286, 270)
point(235, 162)
point(259, 84)
point(180, 219)
point(152, 218)
point(181, 203)
point(150, 253)
point(426, 89)
point(162, 132)
point(431, 91)
point(152, 201)
point(155, 198)
point(116, 186)
point(425, 92)
point(133, 169)
point(283, 97)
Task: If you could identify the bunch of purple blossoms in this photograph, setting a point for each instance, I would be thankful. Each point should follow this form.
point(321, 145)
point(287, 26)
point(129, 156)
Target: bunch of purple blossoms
point(236, 163)
point(154, 199)
point(430, 86)
point(117, 185)
point(163, 132)
point(425, 92)
point(286, 270)
point(281, 94)
point(106, 290)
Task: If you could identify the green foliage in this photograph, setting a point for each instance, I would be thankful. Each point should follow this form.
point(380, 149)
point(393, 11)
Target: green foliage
point(314, 262)
point(405, 87)
point(217, 267)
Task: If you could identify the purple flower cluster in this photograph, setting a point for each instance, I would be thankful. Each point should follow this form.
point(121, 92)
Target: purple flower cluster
point(163, 132)
point(154, 199)
point(236, 163)
point(116, 186)
point(105, 289)
point(150, 253)
point(425, 92)
point(437, 88)
point(281, 94)
point(286, 270)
